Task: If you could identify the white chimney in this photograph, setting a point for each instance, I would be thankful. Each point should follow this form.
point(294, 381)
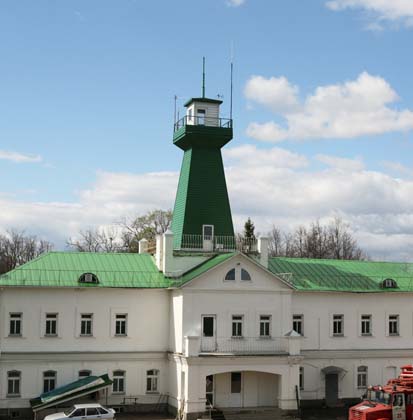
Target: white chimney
point(143, 246)
point(168, 249)
point(159, 252)
point(263, 250)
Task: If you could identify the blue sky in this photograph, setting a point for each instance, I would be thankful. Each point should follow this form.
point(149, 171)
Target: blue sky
point(86, 110)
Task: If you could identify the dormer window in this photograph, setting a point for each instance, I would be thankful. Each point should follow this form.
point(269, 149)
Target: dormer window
point(245, 275)
point(89, 278)
point(230, 275)
point(389, 284)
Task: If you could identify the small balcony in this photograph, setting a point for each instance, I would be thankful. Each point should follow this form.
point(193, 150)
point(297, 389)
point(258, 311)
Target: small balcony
point(202, 122)
point(217, 244)
point(245, 345)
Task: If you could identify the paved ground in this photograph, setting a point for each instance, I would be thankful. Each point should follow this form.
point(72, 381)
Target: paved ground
point(143, 417)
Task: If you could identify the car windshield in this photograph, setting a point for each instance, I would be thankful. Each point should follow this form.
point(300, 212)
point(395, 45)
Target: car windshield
point(378, 396)
point(69, 411)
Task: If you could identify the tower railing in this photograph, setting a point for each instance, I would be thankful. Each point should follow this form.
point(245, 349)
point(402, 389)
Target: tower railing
point(203, 121)
point(219, 243)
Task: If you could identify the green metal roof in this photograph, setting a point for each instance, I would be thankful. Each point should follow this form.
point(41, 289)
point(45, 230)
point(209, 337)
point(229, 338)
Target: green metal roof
point(204, 267)
point(63, 269)
point(342, 275)
point(207, 100)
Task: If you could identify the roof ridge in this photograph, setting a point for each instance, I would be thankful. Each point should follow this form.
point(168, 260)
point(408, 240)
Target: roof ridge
point(339, 260)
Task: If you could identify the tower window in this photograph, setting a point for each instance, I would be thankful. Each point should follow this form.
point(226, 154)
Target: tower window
point(208, 232)
point(201, 113)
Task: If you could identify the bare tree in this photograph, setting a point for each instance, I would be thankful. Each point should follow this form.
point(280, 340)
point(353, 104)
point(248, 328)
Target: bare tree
point(332, 241)
point(127, 238)
point(17, 248)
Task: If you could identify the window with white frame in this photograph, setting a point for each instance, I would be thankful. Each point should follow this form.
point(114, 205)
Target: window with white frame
point(366, 325)
point(13, 383)
point(121, 324)
point(118, 386)
point(86, 324)
point(51, 325)
point(301, 378)
point(49, 381)
point(338, 325)
point(84, 373)
point(362, 376)
point(152, 380)
point(265, 325)
point(237, 321)
point(394, 327)
point(298, 323)
point(15, 323)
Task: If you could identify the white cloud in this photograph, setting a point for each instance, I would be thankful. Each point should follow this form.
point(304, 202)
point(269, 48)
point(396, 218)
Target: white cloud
point(19, 157)
point(381, 10)
point(271, 185)
point(352, 109)
point(235, 3)
point(344, 164)
point(275, 93)
point(398, 168)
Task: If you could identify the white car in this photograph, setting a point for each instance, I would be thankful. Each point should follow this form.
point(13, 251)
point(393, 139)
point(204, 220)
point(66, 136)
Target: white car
point(84, 412)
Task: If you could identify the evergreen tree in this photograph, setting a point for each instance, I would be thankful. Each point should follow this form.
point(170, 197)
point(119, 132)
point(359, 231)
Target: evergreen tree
point(249, 229)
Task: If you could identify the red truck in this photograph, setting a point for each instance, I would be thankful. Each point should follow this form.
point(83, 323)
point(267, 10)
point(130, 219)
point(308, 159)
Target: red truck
point(393, 401)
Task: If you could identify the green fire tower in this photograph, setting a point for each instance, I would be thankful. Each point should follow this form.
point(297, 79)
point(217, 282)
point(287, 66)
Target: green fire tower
point(202, 214)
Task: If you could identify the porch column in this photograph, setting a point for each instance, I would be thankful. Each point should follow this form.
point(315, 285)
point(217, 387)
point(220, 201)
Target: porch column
point(194, 393)
point(289, 380)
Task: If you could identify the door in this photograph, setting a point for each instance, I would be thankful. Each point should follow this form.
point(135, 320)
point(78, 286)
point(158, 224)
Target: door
point(209, 339)
point(208, 237)
point(209, 391)
point(399, 407)
point(236, 390)
point(201, 116)
point(331, 389)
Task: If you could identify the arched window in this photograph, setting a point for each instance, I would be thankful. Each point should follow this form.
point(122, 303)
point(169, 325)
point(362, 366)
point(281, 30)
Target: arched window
point(152, 380)
point(230, 275)
point(84, 373)
point(389, 284)
point(88, 278)
point(13, 383)
point(362, 376)
point(118, 386)
point(49, 380)
point(245, 275)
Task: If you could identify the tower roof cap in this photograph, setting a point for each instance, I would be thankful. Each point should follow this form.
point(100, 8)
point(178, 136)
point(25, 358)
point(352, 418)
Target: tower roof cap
point(207, 100)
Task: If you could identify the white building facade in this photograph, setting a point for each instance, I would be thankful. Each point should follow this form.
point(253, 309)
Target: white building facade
point(206, 321)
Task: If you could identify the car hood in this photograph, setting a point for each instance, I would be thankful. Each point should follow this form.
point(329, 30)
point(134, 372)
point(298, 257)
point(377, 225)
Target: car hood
point(56, 416)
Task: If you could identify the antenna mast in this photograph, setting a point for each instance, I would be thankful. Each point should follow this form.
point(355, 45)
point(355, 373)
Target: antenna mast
point(203, 77)
point(232, 74)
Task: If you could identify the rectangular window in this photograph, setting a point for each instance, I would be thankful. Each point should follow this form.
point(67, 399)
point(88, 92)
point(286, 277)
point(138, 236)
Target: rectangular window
point(208, 326)
point(338, 325)
point(301, 379)
point(298, 324)
point(208, 232)
point(237, 321)
point(362, 377)
point(393, 324)
point(152, 380)
point(15, 323)
point(86, 323)
point(366, 325)
point(265, 326)
point(13, 383)
point(201, 116)
point(51, 324)
point(121, 324)
point(235, 382)
point(118, 386)
point(49, 381)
